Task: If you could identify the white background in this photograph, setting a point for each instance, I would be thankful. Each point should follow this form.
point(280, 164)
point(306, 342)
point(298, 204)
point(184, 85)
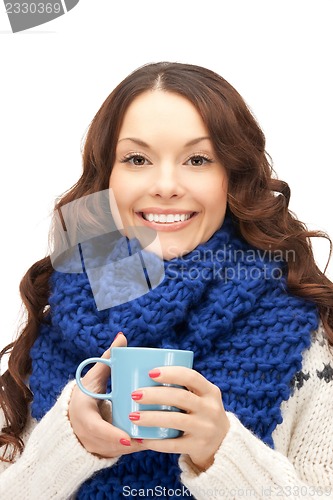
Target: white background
point(278, 55)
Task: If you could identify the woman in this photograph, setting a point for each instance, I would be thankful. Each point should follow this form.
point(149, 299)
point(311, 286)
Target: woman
point(182, 156)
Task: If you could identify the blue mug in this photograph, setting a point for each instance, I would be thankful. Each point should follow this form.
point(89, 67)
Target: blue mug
point(130, 367)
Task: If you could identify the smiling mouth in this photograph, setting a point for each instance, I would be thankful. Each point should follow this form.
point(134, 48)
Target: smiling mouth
point(166, 218)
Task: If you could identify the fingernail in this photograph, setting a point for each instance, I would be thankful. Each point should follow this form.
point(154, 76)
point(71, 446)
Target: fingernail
point(135, 415)
point(125, 442)
point(136, 395)
point(119, 333)
point(154, 373)
point(138, 440)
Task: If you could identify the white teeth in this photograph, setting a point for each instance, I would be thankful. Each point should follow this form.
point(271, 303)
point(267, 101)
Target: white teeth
point(165, 218)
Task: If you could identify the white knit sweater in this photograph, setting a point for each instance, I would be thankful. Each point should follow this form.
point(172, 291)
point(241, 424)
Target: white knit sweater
point(54, 464)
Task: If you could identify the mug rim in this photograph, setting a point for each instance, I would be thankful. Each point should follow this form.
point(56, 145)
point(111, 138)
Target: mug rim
point(158, 349)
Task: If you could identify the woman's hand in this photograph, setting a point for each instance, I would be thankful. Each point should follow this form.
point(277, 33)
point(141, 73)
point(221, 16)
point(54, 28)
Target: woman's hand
point(205, 422)
point(95, 434)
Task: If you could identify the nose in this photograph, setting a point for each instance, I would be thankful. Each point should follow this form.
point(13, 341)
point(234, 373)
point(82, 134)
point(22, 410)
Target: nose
point(167, 182)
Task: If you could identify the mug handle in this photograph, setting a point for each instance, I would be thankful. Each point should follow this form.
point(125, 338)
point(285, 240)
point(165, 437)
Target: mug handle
point(79, 369)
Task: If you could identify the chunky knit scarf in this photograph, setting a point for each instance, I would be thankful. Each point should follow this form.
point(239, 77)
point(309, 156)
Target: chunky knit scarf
point(226, 300)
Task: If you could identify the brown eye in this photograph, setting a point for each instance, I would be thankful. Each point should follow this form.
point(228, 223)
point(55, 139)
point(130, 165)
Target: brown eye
point(197, 161)
point(138, 160)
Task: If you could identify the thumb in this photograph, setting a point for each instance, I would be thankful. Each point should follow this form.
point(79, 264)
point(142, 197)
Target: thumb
point(119, 341)
point(100, 373)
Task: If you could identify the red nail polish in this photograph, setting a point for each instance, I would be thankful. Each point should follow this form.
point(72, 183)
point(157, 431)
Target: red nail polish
point(125, 442)
point(119, 333)
point(136, 395)
point(138, 440)
point(154, 373)
point(135, 415)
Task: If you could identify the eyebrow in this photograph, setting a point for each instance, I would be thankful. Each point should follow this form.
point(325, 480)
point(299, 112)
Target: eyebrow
point(145, 145)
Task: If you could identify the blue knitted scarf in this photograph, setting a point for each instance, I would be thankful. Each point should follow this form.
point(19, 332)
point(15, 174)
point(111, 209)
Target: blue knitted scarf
point(226, 301)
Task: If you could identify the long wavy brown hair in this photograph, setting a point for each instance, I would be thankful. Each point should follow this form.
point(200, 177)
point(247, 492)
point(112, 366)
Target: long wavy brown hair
point(257, 200)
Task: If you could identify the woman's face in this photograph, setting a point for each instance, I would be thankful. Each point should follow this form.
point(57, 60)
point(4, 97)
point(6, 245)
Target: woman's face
point(166, 175)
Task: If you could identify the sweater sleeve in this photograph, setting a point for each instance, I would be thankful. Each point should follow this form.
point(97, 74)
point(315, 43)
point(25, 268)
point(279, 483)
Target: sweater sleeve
point(301, 463)
point(53, 464)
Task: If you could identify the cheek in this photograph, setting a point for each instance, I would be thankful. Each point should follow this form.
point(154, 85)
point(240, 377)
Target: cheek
point(126, 186)
point(216, 203)
point(119, 199)
point(214, 195)
point(115, 181)
point(120, 189)
point(116, 210)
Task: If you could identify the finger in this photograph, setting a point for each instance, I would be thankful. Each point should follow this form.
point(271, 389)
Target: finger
point(176, 445)
point(180, 375)
point(166, 419)
point(99, 373)
point(101, 438)
point(169, 396)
